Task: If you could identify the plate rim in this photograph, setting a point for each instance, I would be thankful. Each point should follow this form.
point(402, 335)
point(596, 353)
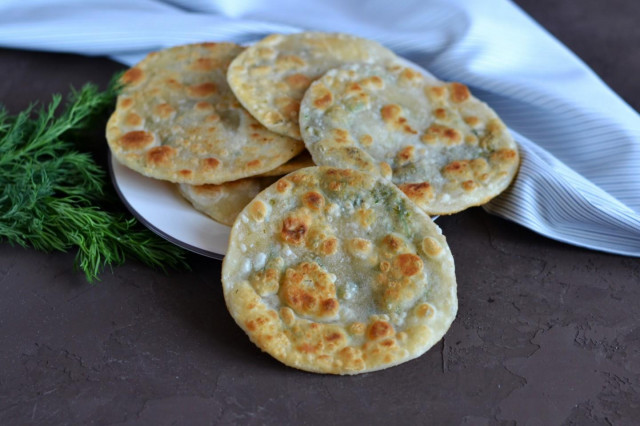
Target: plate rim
point(149, 225)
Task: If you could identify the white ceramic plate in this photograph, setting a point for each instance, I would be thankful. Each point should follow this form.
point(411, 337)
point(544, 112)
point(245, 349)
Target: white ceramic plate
point(161, 208)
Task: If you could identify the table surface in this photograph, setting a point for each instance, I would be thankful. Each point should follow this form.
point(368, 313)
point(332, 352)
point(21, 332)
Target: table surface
point(546, 333)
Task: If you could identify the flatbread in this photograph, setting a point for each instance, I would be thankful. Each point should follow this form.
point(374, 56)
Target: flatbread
point(298, 162)
point(443, 147)
point(176, 119)
point(270, 77)
point(336, 271)
point(225, 201)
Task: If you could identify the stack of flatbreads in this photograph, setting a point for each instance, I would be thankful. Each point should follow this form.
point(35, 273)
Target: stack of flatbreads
point(335, 268)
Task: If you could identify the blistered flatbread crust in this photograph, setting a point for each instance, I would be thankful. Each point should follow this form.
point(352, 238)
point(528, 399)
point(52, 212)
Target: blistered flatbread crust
point(176, 119)
point(443, 147)
point(337, 271)
point(271, 76)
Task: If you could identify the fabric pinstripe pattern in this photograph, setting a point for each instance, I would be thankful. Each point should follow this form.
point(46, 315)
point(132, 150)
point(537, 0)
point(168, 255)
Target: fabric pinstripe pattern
point(580, 143)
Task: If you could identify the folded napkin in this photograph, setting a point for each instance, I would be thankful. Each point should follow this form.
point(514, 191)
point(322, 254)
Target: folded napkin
point(580, 143)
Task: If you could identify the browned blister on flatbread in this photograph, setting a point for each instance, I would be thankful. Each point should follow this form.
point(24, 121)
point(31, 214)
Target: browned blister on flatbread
point(444, 148)
point(271, 76)
point(337, 271)
point(177, 119)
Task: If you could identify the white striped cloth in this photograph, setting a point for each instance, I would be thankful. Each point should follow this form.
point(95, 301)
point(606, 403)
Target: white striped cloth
point(579, 181)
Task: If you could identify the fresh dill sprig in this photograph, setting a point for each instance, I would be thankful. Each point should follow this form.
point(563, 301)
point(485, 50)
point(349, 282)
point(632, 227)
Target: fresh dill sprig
point(53, 196)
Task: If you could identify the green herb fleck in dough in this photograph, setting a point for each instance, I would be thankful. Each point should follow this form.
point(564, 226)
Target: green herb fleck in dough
point(381, 194)
point(355, 106)
point(486, 142)
point(402, 215)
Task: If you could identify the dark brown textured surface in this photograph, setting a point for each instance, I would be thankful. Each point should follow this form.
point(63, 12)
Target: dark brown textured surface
point(546, 333)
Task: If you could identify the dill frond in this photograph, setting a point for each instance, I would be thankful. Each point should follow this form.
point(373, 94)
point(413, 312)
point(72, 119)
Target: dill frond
point(53, 195)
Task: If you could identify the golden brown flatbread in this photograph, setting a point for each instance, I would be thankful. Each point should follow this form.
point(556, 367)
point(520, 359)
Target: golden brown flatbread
point(337, 271)
point(176, 119)
point(298, 162)
point(443, 147)
point(270, 77)
point(225, 201)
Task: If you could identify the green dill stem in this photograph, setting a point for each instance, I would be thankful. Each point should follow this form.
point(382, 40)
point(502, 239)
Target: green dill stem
point(52, 196)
